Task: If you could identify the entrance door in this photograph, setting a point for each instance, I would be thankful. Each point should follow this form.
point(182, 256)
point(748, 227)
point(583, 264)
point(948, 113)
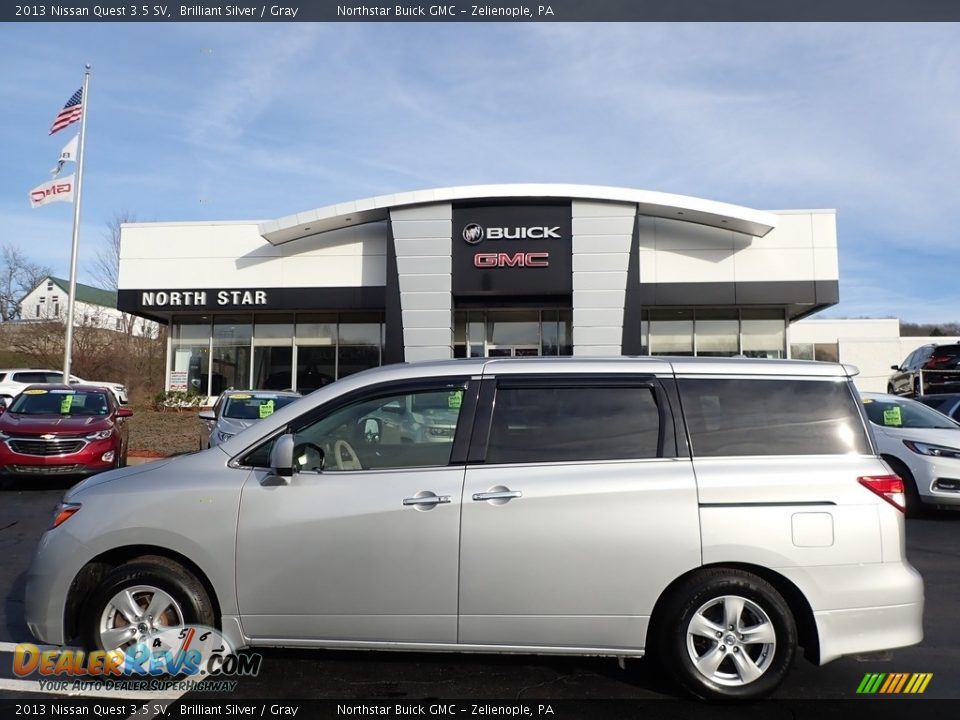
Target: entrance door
point(513, 351)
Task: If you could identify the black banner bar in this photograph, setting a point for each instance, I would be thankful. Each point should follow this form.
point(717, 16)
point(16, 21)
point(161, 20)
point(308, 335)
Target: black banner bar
point(490, 11)
point(546, 709)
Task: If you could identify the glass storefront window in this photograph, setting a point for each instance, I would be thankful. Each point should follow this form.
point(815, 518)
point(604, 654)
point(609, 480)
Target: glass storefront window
point(360, 340)
point(513, 327)
point(191, 330)
point(272, 367)
point(825, 352)
point(230, 359)
point(316, 367)
point(316, 329)
point(190, 351)
point(269, 329)
point(763, 332)
point(477, 334)
point(717, 332)
point(671, 332)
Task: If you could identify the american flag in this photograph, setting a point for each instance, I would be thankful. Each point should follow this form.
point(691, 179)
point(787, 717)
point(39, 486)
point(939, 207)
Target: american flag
point(71, 112)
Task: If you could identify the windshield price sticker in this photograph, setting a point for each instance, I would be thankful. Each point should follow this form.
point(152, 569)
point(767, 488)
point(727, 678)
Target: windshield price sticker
point(36, 391)
point(266, 409)
point(65, 402)
point(241, 396)
point(455, 399)
point(892, 416)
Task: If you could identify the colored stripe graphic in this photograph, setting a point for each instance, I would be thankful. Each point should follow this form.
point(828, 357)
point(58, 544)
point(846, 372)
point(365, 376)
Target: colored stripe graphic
point(894, 683)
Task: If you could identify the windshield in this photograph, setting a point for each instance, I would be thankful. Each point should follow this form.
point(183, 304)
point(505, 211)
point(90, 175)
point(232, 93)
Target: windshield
point(65, 403)
point(243, 406)
point(903, 413)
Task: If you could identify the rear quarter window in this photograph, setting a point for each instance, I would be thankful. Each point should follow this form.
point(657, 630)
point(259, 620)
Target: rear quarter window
point(739, 416)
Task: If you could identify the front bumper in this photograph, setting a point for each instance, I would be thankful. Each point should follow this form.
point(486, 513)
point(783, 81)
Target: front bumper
point(87, 461)
point(56, 562)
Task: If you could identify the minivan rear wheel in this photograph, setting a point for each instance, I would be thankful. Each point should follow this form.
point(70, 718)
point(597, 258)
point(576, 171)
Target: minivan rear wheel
point(727, 635)
point(141, 597)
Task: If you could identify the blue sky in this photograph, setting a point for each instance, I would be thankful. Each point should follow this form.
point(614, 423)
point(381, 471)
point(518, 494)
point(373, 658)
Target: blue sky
point(245, 121)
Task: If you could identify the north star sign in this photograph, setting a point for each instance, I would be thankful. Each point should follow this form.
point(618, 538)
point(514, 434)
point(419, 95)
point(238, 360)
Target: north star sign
point(198, 298)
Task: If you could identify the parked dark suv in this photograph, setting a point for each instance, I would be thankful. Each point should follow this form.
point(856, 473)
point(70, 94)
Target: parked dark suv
point(937, 365)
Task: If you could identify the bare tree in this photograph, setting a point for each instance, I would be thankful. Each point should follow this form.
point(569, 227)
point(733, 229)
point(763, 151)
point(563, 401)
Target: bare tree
point(106, 265)
point(18, 276)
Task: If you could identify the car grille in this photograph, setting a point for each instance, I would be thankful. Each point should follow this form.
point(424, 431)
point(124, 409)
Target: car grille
point(46, 469)
point(45, 448)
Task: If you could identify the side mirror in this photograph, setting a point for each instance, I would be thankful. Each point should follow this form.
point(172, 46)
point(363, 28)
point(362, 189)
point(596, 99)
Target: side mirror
point(894, 367)
point(207, 415)
point(124, 412)
point(281, 456)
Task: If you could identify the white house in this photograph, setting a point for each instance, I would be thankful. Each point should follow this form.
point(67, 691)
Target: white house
point(95, 307)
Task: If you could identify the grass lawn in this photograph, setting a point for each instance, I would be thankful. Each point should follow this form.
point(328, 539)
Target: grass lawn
point(159, 434)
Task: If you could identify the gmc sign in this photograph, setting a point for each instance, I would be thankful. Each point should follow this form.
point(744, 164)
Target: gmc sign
point(520, 259)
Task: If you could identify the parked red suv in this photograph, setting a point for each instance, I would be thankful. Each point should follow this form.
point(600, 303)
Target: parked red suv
point(63, 430)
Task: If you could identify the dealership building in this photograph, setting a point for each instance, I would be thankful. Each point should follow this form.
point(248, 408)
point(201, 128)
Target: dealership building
point(492, 270)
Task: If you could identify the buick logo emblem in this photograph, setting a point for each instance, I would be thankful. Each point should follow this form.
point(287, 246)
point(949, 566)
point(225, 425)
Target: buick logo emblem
point(473, 234)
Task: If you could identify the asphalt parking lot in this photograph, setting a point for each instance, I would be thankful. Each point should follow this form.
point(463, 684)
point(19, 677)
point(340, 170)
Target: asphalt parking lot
point(933, 545)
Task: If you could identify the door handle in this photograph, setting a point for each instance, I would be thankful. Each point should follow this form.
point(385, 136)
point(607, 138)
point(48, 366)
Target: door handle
point(427, 500)
point(497, 495)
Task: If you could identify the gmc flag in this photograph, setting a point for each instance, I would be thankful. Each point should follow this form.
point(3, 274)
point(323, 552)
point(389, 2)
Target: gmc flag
point(58, 190)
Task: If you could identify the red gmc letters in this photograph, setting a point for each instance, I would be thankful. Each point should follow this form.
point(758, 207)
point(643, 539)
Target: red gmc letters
point(505, 259)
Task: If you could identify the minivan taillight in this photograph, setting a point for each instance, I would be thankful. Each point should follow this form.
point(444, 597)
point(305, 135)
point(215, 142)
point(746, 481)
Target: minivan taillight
point(889, 487)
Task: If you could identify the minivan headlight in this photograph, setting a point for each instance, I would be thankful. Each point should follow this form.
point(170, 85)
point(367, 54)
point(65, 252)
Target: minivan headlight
point(922, 448)
point(100, 434)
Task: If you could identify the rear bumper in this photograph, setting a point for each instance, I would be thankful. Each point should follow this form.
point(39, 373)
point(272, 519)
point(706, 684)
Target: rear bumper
point(862, 630)
point(862, 608)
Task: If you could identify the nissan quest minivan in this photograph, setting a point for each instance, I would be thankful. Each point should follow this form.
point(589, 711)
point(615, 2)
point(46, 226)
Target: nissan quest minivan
point(713, 514)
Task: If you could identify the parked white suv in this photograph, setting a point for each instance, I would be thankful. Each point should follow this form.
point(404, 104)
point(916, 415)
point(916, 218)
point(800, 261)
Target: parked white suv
point(12, 381)
point(921, 445)
point(712, 513)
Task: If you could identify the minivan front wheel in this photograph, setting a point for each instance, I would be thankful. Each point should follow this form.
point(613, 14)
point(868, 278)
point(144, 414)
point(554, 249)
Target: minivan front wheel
point(142, 597)
point(728, 635)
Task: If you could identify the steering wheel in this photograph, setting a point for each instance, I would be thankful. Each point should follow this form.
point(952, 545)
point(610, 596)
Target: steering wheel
point(308, 463)
point(352, 462)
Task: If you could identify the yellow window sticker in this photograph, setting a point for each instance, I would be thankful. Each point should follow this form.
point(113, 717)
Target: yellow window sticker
point(266, 409)
point(455, 399)
point(65, 402)
point(241, 396)
point(892, 416)
point(35, 391)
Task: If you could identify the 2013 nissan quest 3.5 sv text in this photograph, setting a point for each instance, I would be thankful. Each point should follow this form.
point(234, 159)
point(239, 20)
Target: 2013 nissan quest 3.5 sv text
point(712, 513)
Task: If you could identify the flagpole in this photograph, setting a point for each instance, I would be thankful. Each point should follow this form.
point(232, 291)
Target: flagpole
point(68, 342)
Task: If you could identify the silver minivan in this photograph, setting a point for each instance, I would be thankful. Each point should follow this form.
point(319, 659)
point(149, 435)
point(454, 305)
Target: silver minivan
point(716, 514)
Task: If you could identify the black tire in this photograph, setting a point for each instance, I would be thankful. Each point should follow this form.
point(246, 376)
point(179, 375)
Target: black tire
point(152, 570)
point(911, 492)
point(697, 592)
point(891, 390)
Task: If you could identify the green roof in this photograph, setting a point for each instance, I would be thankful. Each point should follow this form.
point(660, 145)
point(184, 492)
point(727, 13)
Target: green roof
point(89, 294)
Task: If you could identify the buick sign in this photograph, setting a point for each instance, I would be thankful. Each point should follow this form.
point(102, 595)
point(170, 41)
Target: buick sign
point(473, 234)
